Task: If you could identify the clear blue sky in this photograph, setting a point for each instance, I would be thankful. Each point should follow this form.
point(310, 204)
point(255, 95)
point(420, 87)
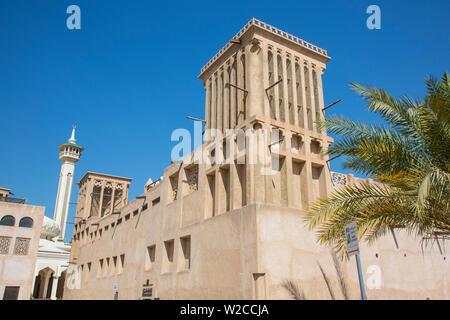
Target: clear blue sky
point(128, 78)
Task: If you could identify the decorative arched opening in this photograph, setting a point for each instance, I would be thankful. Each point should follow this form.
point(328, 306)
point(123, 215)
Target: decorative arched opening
point(7, 221)
point(26, 222)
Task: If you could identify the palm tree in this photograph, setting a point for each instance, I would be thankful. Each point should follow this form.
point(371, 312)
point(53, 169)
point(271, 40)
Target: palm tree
point(409, 157)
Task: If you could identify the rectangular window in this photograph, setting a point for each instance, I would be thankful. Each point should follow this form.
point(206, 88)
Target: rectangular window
point(144, 207)
point(173, 187)
point(135, 212)
point(185, 261)
point(155, 201)
point(318, 182)
point(191, 174)
point(127, 217)
point(168, 256)
point(4, 245)
point(21, 246)
point(106, 228)
point(259, 280)
point(11, 293)
point(150, 257)
point(119, 221)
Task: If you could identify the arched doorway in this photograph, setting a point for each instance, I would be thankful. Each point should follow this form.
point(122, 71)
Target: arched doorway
point(43, 284)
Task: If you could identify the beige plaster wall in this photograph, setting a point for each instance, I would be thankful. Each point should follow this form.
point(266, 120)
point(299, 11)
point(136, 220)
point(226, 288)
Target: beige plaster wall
point(18, 270)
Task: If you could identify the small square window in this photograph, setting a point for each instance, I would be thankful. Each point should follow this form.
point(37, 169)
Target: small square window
point(21, 246)
point(127, 217)
point(144, 207)
point(135, 212)
point(155, 201)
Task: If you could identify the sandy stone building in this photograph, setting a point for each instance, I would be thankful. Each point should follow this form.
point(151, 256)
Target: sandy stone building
point(20, 226)
point(232, 229)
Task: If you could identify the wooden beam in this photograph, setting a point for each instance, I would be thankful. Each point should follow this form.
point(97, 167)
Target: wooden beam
point(195, 119)
point(331, 104)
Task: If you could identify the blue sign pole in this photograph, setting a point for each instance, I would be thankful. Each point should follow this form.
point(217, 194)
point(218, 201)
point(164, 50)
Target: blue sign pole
point(360, 276)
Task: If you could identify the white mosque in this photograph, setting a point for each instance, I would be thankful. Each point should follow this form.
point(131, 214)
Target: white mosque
point(53, 254)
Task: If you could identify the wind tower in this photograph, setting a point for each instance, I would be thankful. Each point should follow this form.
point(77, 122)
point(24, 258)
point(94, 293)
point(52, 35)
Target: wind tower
point(265, 78)
point(69, 154)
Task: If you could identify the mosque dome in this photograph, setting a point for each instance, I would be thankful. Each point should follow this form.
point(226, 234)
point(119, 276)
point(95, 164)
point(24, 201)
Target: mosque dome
point(50, 228)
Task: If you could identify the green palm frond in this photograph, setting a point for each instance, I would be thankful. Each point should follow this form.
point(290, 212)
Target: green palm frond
point(408, 156)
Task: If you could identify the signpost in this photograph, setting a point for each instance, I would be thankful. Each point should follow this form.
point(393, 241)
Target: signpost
point(351, 237)
point(116, 291)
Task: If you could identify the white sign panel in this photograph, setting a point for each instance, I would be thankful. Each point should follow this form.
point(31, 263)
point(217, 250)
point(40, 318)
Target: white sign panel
point(351, 237)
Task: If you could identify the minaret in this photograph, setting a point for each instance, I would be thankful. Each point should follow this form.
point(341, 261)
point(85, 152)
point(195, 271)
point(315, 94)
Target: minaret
point(69, 153)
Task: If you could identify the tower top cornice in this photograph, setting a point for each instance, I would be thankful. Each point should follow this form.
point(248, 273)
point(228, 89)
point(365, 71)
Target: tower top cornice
point(257, 24)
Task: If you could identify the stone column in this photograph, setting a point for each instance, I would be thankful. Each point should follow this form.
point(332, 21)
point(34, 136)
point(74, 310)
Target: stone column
point(219, 118)
point(113, 193)
point(226, 97)
point(302, 64)
point(54, 287)
point(284, 85)
point(249, 167)
point(88, 201)
point(207, 108)
point(233, 92)
point(311, 92)
point(308, 167)
point(266, 84)
point(294, 92)
point(289, 175)
point(216, 197)
point(240, 84)
point(100, 201)
point(46, 282)
point(41, 287)
point(319, 73)
point(255, 85)
point(213, 102)
point(276, 95)
point(262, 134)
